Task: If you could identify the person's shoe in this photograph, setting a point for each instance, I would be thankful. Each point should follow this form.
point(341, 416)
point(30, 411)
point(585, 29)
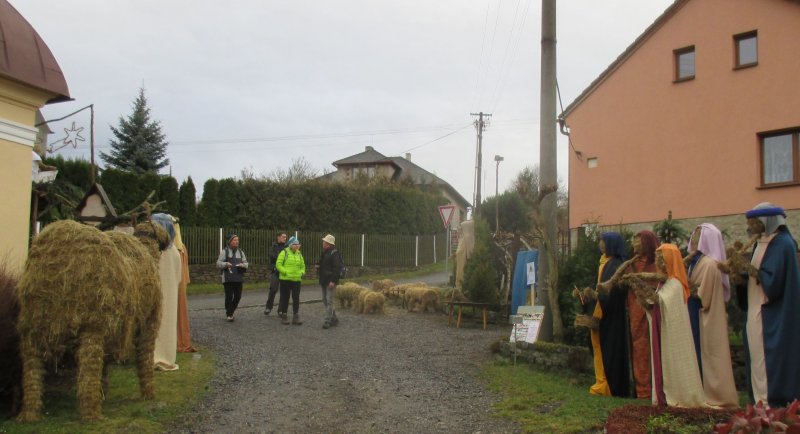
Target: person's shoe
point(334, 321)
point(229, 319)
point(267, 311)
point(326, 325)
point(296, 320)
point(284, 319)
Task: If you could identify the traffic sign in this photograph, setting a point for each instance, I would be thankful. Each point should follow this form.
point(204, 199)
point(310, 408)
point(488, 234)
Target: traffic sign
point(446, 211)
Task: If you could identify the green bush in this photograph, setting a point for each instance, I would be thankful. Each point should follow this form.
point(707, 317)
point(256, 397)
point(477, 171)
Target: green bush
point(577, 270)
point(480, 273)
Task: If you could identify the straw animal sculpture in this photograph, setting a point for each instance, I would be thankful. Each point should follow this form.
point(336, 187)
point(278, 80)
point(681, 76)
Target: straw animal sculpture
point(738, 263)
point(10, 364)
point(96, 295)
point(382, 285)
point(372, 303)
point(453, 294)
point(346, 294)
point(422, 295)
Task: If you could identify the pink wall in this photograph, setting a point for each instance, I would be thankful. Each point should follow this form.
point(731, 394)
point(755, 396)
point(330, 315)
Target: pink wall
point(689, 147)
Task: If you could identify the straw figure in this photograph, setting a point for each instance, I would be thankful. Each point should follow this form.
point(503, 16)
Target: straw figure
point(358, 300)
point(91, 293)
point(738, 264)
point(382, 285)
point(396, 294)
point(346, 294)
point(373, 303)
point(10, 365)
point(422, 295)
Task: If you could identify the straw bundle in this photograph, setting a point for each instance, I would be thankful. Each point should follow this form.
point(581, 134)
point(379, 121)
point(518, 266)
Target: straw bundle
point(587, 321)
point(373, 302)
point(642, 285)
point(346, 294)
point(738, 264)
point(382, 285)
point(422, 295)
point(91, 293)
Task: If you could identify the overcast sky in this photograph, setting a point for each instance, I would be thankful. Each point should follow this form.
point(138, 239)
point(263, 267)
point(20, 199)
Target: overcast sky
point(257, 84)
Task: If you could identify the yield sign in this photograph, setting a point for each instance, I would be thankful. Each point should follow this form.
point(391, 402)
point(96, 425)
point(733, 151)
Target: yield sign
point(446, 211)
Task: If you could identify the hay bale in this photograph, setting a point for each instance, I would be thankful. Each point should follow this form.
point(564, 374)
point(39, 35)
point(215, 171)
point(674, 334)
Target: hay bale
point(422, 295)
point(382, 285)
point(346, 294)
point(92, 293)
point(373, 303)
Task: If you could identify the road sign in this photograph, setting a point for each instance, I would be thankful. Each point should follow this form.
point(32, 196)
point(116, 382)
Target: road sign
point(446, 211)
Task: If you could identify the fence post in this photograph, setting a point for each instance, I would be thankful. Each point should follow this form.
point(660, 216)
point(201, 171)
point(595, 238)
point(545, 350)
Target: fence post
point(362, 249)
point(434, 248)
point(416, 251)
point(220, 240)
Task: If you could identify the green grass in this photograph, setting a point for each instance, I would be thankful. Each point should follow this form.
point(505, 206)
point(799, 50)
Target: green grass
point(549, 402)
point(216, 288)
point(122, 410)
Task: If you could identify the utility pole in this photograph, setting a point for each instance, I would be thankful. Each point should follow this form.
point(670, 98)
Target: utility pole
point(547, 165)
point(497, 159)
point(480, 125)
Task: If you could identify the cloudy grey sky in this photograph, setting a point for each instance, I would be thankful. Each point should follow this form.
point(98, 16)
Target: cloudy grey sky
point(256, 84)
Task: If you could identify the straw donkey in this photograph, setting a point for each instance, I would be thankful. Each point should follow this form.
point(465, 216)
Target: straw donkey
point(96, 294)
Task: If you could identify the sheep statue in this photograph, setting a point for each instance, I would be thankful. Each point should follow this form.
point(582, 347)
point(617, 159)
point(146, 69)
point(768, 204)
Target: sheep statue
point(93, 294)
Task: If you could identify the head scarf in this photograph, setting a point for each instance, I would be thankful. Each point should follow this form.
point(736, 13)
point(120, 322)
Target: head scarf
point(711, 244)
point(615, 245)
point(675, 268)
point(165, 221)
point(772, 216)
point(649, 245)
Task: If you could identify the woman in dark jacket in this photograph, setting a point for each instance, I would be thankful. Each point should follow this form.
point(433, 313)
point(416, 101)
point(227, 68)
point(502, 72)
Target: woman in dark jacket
point(233, 263)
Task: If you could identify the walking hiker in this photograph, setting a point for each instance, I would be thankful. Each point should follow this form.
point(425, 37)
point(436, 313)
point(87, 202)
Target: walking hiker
point(274, 251)
point(330, 266)
point(232, 263)
point(291, 268)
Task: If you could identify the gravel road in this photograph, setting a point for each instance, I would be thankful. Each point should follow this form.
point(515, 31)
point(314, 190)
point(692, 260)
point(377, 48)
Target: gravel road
point(398, 373)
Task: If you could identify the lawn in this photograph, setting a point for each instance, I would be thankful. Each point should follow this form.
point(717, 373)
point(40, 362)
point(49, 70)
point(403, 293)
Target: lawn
point(213, 288)
point(549, 402)
point(123, 411)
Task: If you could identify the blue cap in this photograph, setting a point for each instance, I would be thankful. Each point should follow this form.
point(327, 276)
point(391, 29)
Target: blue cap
point(292, 240)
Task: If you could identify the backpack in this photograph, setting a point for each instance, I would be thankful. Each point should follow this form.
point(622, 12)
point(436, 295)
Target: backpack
point(342, 267)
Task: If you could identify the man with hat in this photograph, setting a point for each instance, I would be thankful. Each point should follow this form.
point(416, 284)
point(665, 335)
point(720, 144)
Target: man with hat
point(772, 328)
point(330, 266)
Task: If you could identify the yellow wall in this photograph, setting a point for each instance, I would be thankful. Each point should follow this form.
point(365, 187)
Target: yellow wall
point(690, 147)
point(18, 105)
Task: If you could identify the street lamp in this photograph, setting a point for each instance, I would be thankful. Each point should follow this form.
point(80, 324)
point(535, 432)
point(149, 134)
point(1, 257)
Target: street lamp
point(497, 160)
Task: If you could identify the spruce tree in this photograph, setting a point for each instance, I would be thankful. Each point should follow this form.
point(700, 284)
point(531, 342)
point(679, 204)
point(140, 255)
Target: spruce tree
point(138, 145)
point(168, 192)
point(188, 203)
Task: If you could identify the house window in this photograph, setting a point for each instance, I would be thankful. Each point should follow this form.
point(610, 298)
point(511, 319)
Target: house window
point(684, 64)
point(780, 153)
point(746, 46)
point(591, 162)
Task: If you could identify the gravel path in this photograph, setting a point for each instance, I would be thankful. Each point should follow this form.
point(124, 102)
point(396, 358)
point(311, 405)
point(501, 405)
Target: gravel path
point(398, 373)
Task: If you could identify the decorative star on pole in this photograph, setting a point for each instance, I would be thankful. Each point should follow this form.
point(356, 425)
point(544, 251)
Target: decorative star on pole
point(73, 136)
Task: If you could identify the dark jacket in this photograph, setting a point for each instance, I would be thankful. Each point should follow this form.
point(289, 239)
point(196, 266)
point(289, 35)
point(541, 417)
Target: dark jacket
point(330, 262)
point(274, 251)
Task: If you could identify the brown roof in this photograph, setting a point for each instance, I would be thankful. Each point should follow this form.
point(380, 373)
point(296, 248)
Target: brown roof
point(24, 57)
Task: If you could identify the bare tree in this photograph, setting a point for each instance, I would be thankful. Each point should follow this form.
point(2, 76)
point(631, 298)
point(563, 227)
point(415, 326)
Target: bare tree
point(300, 170)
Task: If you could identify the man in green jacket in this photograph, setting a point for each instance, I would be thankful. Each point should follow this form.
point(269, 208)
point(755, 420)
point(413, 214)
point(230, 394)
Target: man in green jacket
point(291, 268)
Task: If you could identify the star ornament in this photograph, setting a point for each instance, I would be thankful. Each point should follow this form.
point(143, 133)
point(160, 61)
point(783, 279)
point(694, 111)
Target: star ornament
point(73, 136)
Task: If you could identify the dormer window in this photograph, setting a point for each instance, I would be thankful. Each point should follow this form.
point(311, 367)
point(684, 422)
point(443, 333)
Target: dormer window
point(684, 64)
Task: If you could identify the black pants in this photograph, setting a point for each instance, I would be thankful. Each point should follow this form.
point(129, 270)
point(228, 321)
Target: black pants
point(273, 289)
point(233, 293)
point(288, 287)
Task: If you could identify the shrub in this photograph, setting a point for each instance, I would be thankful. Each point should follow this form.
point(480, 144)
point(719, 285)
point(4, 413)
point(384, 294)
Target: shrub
point(480, 273)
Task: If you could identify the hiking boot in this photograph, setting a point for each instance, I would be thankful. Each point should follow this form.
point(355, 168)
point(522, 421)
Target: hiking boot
point(284, 319)
point(229, 318)
point(267, 311)
point(334, 321)
point(296, 320)
point(326, 325)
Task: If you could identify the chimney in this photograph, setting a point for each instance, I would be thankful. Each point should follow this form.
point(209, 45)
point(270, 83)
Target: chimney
point(368, 148)
point(408, 156)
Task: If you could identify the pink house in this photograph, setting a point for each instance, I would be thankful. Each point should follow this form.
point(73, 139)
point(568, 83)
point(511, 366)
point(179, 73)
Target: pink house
point(700, 115)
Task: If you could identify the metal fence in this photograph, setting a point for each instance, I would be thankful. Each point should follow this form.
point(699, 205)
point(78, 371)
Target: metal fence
point(365, 250)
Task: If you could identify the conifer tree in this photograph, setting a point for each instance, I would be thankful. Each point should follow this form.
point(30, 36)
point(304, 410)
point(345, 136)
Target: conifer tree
point(188, 203)
point(138, 145)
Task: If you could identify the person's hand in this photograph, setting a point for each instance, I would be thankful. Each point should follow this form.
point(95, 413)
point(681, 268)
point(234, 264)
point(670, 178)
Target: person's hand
point(240, 265)
point(228, 265)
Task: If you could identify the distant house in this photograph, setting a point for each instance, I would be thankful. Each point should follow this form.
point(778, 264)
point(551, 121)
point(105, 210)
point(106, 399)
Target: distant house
point(372, 163)
point(700, 115)
point(29, 78)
